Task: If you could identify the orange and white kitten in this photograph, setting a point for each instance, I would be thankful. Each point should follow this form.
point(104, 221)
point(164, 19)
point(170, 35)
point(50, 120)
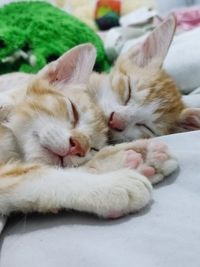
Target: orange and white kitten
point(139, 99)
point(49, 125)
point(54, 124)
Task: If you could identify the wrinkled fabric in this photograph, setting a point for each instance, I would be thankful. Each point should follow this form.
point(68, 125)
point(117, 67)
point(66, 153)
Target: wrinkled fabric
point(188, 18)
point(165, 234)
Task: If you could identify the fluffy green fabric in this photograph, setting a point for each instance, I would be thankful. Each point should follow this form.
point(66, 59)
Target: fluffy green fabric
point(43, 32)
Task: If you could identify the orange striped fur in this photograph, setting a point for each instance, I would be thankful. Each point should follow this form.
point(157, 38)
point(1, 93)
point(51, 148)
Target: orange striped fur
point(140, 95)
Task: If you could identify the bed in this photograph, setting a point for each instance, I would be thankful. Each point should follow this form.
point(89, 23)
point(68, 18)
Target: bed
point(166, 233)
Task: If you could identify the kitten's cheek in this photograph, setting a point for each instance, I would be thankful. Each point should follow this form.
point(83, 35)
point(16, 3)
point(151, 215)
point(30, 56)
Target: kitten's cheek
point(35, 135)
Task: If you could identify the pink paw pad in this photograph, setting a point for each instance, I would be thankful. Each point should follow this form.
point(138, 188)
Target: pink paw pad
point(133, 159)
point(160, 147)
point(148, 171)
point(161, 156)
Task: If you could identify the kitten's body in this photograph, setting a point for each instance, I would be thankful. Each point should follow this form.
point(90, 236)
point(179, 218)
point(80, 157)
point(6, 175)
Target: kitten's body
point(139, 99)
point(51, 120)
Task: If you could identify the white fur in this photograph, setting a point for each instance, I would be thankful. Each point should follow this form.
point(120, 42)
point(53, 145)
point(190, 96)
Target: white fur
point(44, 188)
point(119, 192)
point(138, 117)
point(134, 112)
point(41, 132)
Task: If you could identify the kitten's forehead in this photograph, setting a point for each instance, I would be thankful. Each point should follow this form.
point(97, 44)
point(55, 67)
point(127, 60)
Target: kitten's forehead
point(48, 105)
point(80, 98)
point(141, 76)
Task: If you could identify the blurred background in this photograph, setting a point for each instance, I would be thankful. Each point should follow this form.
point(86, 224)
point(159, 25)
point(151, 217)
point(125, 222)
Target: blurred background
point(120, 24)
point(85, 9)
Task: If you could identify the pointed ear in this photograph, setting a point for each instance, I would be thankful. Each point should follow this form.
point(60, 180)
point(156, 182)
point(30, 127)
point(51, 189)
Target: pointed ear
point(74, 67)
point(190, 119)
point(156, 45)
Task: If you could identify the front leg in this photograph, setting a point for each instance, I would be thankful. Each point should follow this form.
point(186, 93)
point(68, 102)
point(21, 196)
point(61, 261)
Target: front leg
point(31, 187)
point(149, 157)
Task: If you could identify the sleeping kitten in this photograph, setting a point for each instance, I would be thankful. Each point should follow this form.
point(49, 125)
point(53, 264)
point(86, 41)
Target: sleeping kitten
point(53, 124)
point(139, 99)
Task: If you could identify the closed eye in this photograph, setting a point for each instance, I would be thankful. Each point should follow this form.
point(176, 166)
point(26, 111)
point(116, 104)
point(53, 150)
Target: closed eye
point(129, 92)
point(94, 149)
point(146, 127)
point(75, 113)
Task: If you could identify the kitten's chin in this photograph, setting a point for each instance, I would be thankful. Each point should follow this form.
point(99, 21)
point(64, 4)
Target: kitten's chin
point(45, 160)
point(66, 162)
point(44, 156)
point(74, 161)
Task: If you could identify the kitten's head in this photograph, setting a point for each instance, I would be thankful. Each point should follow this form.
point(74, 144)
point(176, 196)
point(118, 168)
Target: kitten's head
point(138, 98)
point(57, 123)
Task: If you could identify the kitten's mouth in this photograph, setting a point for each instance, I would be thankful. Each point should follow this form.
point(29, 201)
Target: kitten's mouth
point(67, 161)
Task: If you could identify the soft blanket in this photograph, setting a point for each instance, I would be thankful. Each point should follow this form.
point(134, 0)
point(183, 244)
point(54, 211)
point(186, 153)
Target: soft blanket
point(167, 233)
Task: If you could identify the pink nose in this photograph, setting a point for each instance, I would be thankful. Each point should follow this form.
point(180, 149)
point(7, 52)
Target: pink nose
point(116, 122)
point(75, 148)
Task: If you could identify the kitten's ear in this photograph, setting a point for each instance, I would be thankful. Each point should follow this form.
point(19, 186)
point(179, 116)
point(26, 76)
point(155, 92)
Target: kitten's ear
point(190, 119)
point(74, 67)
point(155, 47)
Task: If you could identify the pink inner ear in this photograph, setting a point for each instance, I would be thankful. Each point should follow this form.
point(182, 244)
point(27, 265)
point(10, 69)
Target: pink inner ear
point(191, 119)
point(149, 51)
point(156, 45)
point(52, 75)
point(63, 69)
point(74, 66)
point(192, 123)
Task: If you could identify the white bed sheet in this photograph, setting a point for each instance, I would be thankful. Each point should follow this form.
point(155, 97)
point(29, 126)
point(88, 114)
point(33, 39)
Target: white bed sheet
point(166, 234)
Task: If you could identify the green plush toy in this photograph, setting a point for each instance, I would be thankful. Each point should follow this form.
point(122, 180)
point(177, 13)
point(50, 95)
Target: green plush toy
point(35, 33)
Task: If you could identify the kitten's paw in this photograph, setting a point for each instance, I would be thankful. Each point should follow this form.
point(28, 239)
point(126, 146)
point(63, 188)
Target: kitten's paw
point(155, 161)
point(159, 157)
point(149, 157)
point(122, 192)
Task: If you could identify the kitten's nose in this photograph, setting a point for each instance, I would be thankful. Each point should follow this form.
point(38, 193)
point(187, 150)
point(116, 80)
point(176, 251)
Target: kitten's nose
point(75, 148)
point(116, 122)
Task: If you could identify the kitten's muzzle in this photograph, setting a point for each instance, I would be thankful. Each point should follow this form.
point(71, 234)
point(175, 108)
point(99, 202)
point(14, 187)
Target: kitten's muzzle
point(74, 149)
